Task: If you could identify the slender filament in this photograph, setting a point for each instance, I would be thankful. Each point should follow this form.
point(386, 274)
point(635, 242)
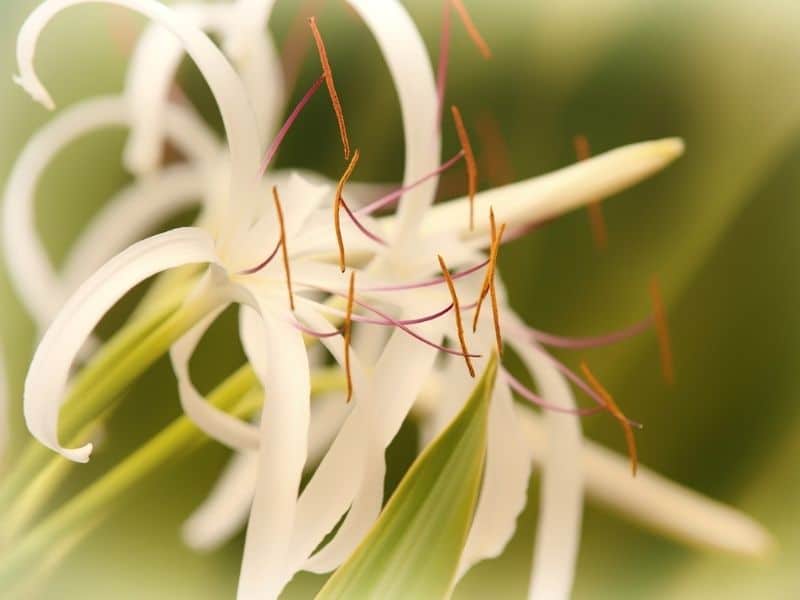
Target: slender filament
point(337, 204)
point(662, 329)
point(472, 167)
point(457, 310)
point(284, 249)
point(348, 325)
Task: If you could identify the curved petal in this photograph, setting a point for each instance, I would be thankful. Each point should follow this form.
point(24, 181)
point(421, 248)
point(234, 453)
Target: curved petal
point(407, 58)
point(656, 502)
point(216, 423)
point(558, 531)
point(281, 457)
point(399, 376)
point(49, 370)
point(153, 69)
point(251, 20)
point(29, 266)
point(131, 214)
point(334, 484)
point(227, 88)
point(537, 199)
point(224, 512)
point(504, 491)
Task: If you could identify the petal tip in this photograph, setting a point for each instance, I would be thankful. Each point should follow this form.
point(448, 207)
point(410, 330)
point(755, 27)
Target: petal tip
point(35, 90)
point(79, 455)
point(669, 148)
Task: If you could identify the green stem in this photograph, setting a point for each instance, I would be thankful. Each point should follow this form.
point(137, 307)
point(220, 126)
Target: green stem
point(126, 356)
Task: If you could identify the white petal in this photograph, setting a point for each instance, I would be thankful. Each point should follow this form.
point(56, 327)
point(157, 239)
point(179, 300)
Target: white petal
point(539, 198)
point(504, 491)
point(398, 377)
point(47, 377)
point(281, 457)
point(334, 484)
point(152, 72)
point(130, 215)
point(656, 502)
point(407, 58)
point(216, 423)
point(30, 268)
point(558, 530)
point(224, 513)
point(225, 85)
point(251, 20)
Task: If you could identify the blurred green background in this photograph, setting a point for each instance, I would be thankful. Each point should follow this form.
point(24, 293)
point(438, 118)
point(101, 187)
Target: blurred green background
point(718, 228)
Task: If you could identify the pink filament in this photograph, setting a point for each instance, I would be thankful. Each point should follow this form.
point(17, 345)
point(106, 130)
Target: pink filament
point(444, 59)
point(523, 391)
point(273, 147)
point(393, 196)
point(361, 227)
point(591, 342)
point(263, 263)
point(428, 282)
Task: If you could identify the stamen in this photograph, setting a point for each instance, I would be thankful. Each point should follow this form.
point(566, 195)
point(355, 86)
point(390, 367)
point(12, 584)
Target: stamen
point(273, 147)
point(383, 322)
point(528, 394)
point(428, 282)
point(662, 329)
point(498, 337)
point(472, 30)
point(489, 276)
point(459, 325)
point(393, 196)
point(494, 150)
point(312, 332)
point(296, 45)
point(576, 343)
point(337, 202)
point(472, 167)
point(284, 249)
point(630, 440)
point(596, 218)
point(326, 68)
point(444, 60)
point(348, 323)
point(361, 227)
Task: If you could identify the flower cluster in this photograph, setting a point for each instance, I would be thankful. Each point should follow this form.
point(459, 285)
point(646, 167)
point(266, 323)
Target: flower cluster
point(395, 297)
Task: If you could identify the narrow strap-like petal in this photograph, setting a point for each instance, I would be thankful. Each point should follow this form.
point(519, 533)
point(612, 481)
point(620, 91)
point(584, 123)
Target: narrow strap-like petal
point(29, 265)
point(284, 375)
point(407, 58)
point(217, 424)
point(152, 72)
point(232, 100)
point(399, 375)
point(526, 203)
point(504, 491)
point(251, 21)
point(652, 500)
point(559, 527)
point(224, 512)
point(49, 370)
point(334, 484)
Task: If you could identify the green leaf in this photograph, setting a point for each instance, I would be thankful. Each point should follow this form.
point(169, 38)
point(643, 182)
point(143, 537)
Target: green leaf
point(414, 548)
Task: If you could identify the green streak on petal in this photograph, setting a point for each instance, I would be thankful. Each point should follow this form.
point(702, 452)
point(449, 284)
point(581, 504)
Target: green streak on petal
point(414, 548)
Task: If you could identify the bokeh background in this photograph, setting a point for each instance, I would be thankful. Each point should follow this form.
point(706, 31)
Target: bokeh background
point(719, 228)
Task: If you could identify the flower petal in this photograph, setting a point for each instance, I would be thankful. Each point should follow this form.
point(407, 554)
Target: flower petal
point(251, 20)
point(30, 268)
point(330, 491)
point(656, 502)
point(558, 531)
point(540, 198)
point(224, 512)
point(130, 215)
point(49, 369)
point(407, 58)
point(504, 491)
point(218, 424)
point(399, 376)
point(227, 88)
point(281, 457)
point(153, 69)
